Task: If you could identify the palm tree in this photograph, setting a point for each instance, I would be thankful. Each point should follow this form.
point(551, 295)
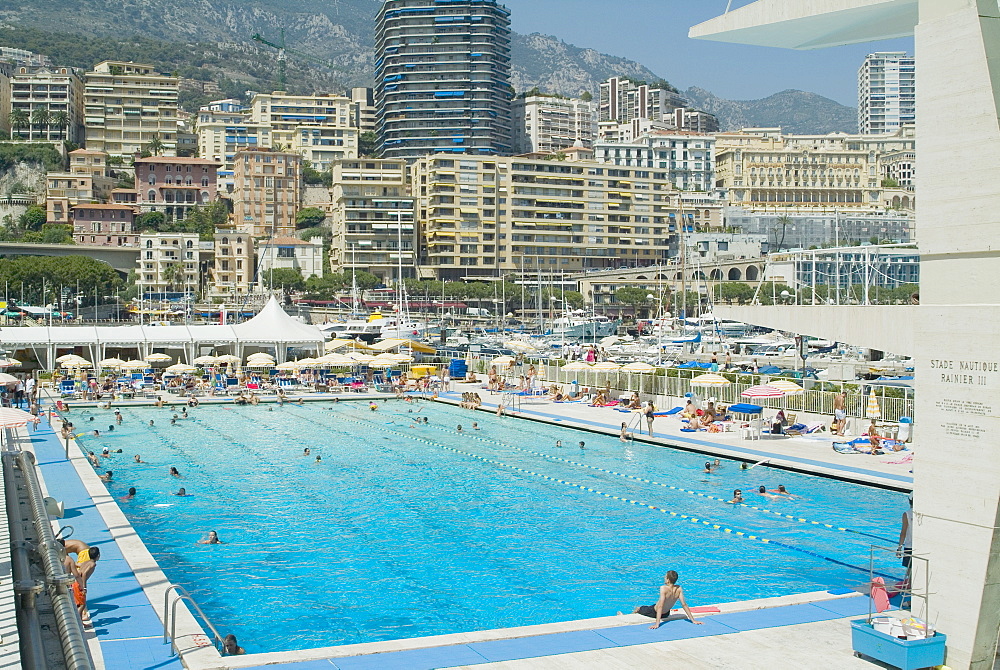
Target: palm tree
point(61, 121)
point(18, 119)
point(782, 221)
point(40, 117)
point(156, 145)
point(172, 275)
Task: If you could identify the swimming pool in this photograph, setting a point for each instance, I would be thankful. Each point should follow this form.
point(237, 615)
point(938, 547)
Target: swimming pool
point(406, 530)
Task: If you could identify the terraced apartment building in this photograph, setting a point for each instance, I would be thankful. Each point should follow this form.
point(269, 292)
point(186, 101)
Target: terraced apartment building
point(482, 216)
point(126, 105)
point(442, 78)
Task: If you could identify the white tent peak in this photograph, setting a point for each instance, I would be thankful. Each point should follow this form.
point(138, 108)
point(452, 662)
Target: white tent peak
point(273, 324)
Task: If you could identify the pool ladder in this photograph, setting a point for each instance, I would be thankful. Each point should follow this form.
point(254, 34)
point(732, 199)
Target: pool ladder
point(511, 401)
point(170, 618)
point(634, 424)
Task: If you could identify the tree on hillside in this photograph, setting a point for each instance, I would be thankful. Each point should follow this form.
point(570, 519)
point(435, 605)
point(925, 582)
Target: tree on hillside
point(32, 219)
point(41, 118)
point(368, 145)
point(155, 146)
point(287, 279)
point(19, 120)
point(153, 221)
point(735, 292)
point(782, 222)
point(61, 121)
point(309, 217)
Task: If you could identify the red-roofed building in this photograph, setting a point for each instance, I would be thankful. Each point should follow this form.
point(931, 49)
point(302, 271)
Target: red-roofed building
point(175, 185)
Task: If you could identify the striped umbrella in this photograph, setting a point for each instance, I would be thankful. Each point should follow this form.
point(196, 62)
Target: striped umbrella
point(9, 362)
point(762, 391)
point(135, 365)
point(111, 363)
point(502, 361)
point(205, 360)
point(710, 379)
point(12, 418)
point(873, 411)
point(576, 366)
point(638, 366)
point(786, 386)
point(606, 366)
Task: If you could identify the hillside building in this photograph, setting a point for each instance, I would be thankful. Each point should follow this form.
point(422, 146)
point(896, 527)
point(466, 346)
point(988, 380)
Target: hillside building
point(371, 215)
point(53, 93)
point(233, 266)
point(305, 257)
point(175, 185)
point(107, 225)
point(622, 100)
point(887, 94)
point(126, 105)
point(442, 78)
point(546, 124)
point(688, 158)
point(267, 192)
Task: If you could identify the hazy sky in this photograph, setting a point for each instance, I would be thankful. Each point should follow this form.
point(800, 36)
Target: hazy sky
point(654, 33)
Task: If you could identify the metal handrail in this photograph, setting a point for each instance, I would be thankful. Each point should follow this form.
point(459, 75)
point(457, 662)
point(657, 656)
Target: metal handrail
point(67, 620)
point(170, 617)
point(637, 420)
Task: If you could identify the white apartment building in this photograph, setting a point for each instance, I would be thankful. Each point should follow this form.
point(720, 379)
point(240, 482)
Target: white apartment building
point(805, 227)
point(223, 130)
point(371, 216)
point(57, 92)
point(126, 105)
point(887, 98)
point(688, 158)
point(545, 124)
point(169, 262)
point(305, 257)
point(622, 100)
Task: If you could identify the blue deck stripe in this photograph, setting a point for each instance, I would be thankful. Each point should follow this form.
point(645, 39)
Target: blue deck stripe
point(119, 609)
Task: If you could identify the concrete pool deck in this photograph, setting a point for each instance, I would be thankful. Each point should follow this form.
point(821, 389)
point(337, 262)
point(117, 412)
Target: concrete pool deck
point(127, 593)
point(812, 454)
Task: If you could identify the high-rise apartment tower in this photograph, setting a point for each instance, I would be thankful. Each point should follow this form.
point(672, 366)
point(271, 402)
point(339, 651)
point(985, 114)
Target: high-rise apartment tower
point(442, 78)
point(887, 96)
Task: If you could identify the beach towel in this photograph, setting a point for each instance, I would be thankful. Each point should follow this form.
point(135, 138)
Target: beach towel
point(845, 448)
point(675, 410)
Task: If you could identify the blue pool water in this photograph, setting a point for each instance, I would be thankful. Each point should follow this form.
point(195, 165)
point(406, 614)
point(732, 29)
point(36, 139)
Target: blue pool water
point(406, 530)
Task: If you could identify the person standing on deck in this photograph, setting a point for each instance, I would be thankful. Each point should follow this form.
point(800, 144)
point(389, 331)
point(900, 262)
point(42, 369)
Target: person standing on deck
point(840, 411)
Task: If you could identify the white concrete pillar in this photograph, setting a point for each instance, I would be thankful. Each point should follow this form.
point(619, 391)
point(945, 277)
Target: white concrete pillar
point(957, 470)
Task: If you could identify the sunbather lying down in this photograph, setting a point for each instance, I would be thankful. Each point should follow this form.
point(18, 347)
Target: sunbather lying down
point(865, 446)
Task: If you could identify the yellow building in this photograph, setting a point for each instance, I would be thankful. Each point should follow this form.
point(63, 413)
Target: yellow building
point(320, 127)
point(126, 105)
point(484, 216)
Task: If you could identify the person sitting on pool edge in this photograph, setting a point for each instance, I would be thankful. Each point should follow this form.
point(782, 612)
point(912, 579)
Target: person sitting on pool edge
point(670, 593)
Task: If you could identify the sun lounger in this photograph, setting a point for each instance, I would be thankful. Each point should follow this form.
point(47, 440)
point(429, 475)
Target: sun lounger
point(670, 412)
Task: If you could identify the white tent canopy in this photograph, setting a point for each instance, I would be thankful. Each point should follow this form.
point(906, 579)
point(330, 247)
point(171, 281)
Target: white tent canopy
point(272, 327)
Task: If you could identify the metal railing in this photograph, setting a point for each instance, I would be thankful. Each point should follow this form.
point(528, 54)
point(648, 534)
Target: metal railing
point(170, 618)
point(57, 580)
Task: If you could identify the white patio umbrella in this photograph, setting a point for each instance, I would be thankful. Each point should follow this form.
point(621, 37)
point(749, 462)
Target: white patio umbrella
point(260, 357)
point(402, 358)
point(576, 366)
point(228, 358)
point(9, 363)
point(358, 357)
point(67, 357)
point(8, 379)
point(111, 363)
point(135, 364)
point(336, 360)
point(503, 361)
point(307, 362)
point(710, 379)
point(77, 364)
point(606, 366)
point(158, 358)
point(205, 360)
point(181, 369)
point(520, 346)
point(12, 418)
point(289, 365)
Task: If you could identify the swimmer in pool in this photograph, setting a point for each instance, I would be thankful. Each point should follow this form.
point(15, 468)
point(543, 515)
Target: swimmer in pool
point(762, 491)
point(582, 445)
point(458, 428)
point(97, 433)
point(138, 459)
point(106, 452)
point(558, 444)
point(111, 428)
point(182, 492)
point(782, 491)
point(93, 459)
point(709, 468)
point(305, 452)
point(318, 458)
point(131, 494)
point(150, 423)
point(475, 426)
point(373, 406)
point(737, 497)
point(107, 476)
point(174, 472)
point(213, 538)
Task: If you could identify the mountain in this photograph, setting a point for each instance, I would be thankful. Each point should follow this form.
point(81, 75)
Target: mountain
point(330, 48)
point(794, 111)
